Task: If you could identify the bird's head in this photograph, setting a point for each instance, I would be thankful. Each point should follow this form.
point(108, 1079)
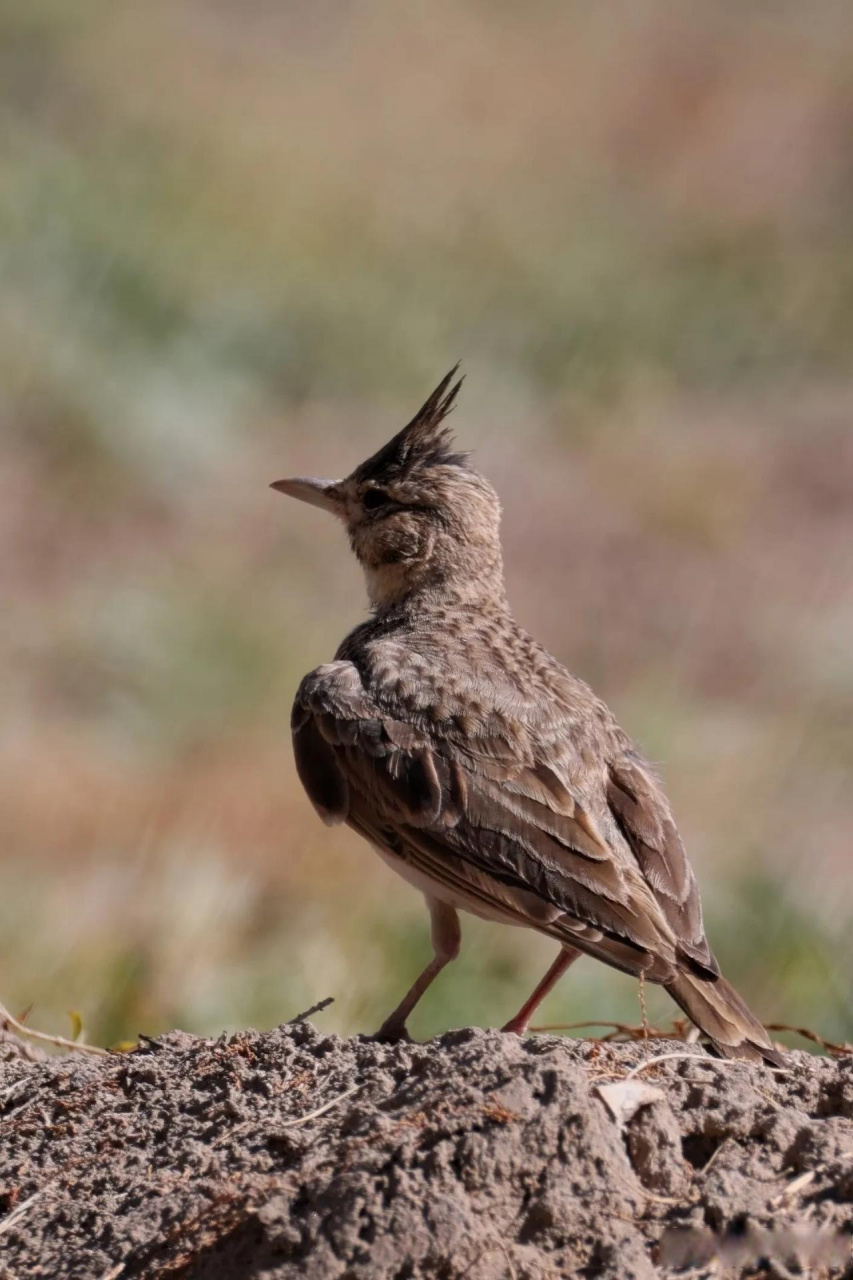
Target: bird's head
point(419, 517)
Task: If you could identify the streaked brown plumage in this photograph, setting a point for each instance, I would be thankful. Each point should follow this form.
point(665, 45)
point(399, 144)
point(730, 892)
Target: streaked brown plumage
point(476, 765)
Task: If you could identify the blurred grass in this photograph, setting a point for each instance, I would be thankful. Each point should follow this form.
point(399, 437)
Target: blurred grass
point(191, 942)
point(242, 241)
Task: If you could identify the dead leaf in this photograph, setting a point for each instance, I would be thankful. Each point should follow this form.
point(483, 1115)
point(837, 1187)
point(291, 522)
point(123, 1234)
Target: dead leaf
point(624, 1098)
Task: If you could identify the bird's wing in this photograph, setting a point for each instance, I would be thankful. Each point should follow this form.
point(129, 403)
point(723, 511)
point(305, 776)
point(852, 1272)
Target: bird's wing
point(641, 811)
point(488, 824)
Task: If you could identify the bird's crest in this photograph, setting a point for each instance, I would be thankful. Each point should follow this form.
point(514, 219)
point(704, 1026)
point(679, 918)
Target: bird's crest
point(425, 441)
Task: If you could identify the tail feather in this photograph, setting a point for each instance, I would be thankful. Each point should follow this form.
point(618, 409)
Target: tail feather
point(723, 1016)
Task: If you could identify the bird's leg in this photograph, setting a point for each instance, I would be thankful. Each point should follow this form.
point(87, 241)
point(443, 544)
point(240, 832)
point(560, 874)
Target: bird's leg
point(446, 937)
point(520, 1022)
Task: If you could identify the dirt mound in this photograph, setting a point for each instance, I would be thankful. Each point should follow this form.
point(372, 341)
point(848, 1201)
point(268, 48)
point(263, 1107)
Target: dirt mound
point(478, 1155)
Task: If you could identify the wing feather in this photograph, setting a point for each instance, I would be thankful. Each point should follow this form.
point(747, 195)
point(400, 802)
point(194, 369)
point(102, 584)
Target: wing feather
point(507, 835)
point(644, 818)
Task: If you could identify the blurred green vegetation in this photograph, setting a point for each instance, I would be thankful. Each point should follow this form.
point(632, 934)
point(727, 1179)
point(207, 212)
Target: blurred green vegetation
point(240, 241)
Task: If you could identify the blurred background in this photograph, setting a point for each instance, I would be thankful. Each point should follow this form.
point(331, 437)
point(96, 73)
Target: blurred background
point(244, 239)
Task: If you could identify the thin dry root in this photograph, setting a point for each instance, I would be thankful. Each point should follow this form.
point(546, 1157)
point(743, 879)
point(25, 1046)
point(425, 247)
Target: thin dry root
point(8, 1023)
point(680, 1030)
point(838, 1050)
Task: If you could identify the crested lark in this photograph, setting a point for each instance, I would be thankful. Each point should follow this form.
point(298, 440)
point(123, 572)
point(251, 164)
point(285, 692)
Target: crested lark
point(478, 768)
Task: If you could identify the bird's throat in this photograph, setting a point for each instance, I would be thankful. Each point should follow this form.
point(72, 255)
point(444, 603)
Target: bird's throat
point(391, 586)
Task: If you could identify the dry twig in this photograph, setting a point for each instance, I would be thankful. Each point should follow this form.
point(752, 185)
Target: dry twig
point(327, 1106)
point(315, 1008)
point(666, 1057)
point(838, 1050)
point(623, 1029)
point(15, 1216)
point(8, 1023)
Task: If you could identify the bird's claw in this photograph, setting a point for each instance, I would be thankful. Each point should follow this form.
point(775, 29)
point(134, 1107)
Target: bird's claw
point(392, 1032)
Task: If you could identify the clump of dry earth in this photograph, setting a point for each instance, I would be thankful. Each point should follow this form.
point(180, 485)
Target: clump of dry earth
point(477, 1155)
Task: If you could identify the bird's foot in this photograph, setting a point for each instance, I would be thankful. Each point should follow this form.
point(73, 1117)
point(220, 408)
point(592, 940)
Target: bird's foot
point(392, 1031)
point(516, 1026)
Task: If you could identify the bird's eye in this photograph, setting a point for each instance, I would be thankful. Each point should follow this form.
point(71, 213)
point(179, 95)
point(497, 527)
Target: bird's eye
point(375, 498)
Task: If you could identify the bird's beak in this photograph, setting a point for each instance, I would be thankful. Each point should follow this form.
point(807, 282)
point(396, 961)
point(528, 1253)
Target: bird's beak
point(319, 493)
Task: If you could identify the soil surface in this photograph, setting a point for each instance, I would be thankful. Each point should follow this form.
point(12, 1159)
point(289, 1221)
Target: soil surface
point(478, 1155)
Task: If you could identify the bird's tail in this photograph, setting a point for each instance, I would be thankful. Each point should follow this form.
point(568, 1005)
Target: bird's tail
point(722, 1015)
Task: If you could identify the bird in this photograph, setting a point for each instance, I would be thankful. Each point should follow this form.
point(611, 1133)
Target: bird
point(477, 766)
